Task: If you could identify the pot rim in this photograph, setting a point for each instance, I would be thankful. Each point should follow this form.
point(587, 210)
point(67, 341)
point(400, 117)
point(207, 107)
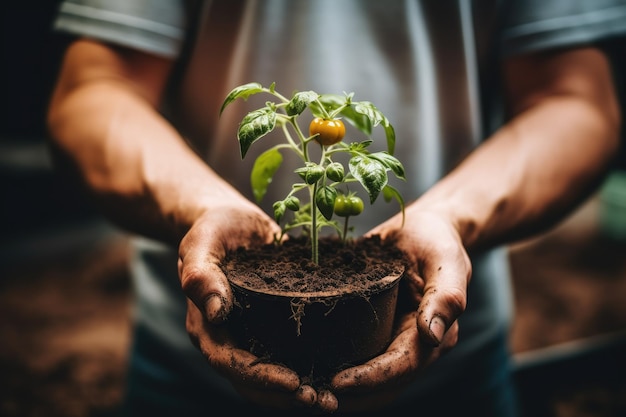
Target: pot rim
point(336, 293)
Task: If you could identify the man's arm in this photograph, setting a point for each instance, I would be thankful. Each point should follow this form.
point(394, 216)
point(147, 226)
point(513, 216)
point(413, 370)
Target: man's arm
point(103, 120)
point(557, 146)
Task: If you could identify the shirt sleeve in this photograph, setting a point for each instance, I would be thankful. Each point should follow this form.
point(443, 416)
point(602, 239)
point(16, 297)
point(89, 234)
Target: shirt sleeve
point(154, 26)
point(532, 25)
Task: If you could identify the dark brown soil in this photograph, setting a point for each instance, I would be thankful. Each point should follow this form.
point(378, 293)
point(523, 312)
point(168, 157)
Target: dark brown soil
point(315, 318)
point(354, 267)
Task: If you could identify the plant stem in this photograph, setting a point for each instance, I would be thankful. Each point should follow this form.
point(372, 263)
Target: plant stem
point(314, 242)
point(345, 230)
point(304, 151)
point(291, 144)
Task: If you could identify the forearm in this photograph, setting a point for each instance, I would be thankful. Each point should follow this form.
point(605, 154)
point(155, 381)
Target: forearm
point(528, 175)
point(138, 168)
point(531, 172)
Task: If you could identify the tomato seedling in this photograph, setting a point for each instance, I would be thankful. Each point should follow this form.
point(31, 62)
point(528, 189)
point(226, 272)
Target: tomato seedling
point(324, 180)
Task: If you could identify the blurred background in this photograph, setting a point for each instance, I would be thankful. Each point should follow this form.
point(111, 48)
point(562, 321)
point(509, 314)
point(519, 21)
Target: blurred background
point(65, 292)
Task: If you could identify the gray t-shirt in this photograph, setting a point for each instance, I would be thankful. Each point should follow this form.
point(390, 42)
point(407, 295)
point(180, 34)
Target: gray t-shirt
point(431, 67)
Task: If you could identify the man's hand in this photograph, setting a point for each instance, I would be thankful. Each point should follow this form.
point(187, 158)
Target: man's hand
point(261, 383)
point(229, 224)
point(432, 297)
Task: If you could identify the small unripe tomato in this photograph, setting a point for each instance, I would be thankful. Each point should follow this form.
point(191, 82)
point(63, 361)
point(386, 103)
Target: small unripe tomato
point(328, 132)
point(292, 203)
point(334, 171)
point(311, 174)
point(348, 205)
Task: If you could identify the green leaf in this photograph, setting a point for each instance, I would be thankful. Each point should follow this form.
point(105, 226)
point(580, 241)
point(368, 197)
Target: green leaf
point(300, 101)
point(390, 133)
point(390, 162)
point(360, 121)
point(389, 192)
point(263, 171)
point(243, 91)
point(325, 200)
point(376, 117)
point(371, 173)
point(370, 111)
point(254, 126)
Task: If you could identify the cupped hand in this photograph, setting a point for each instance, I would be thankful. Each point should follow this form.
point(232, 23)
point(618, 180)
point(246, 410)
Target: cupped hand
point(261, 383)
point(229, 225)
point(432, 297)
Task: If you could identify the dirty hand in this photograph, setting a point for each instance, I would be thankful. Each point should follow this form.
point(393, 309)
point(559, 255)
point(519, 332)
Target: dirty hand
point(225, 227)
point(432, 296)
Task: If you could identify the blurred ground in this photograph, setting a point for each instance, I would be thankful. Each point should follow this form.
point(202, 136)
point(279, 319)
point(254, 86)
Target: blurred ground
point(64, 325)
point(65, 314)
point(569, 334)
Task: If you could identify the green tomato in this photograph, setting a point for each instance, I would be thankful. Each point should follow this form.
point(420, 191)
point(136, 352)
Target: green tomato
point(334, 171)
point(348, 205)
point(292, 203)
point(311, 173)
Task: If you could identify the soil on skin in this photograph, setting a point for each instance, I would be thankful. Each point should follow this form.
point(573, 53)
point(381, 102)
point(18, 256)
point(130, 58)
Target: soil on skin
point(354, 267)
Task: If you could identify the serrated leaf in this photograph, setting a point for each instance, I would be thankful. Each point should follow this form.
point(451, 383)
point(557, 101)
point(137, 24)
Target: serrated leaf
point(390, 162)
point(358, 120)
point(300, 101)
point(376, 117)
point(263, 171)
point(370, 111)
point(325, 200)
point(243, 92)
point(371, 173)
point(254, 126)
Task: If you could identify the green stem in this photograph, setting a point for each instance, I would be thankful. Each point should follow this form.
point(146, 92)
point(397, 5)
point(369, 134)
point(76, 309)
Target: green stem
point(292, 145)
point(305, 150)
point(314, 242)
point(323, 110)
point(337, 111)
point(276, 94)
point(345, 230)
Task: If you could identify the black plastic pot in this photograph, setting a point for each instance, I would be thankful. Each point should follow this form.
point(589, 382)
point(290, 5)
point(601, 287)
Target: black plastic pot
point(316, 334)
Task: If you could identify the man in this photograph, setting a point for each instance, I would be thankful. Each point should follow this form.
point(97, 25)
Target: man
point(506, 119)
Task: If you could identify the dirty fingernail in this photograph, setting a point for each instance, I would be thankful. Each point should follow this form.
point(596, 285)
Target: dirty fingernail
point(327, 402)
point(213, 308)
point(437, 328)
point(306, 395)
